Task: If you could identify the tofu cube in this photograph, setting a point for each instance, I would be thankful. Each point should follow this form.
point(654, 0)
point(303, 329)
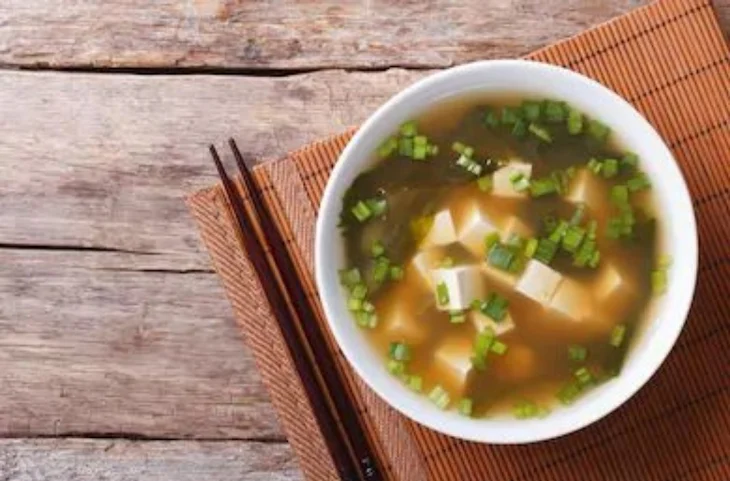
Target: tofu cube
point(442, 230)
point(422, 264)
point(502, 183)
point(613, 289)
point(474, 229)
point(463, 285)
point(515, 226)
point(586, 188)
point(453, 361)
point(572, 301)
point(481, 322)
point(538, 282)
point(401, 321)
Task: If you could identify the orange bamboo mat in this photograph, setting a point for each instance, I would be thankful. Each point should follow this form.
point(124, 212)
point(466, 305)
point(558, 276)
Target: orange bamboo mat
point(669, 59)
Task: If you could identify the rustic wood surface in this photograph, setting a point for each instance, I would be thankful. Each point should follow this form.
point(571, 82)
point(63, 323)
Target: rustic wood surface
point(119, 359)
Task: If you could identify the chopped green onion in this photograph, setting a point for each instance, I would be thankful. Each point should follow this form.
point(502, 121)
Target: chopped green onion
point(350, 277)
point(500, 257)
point(526, 410)
point(519, 182)
point(366, 319)
point(598, 131)
point(630, 160)
point(498, 347)
point(399, 351)
point(546, 250)
point(610, 168)
point(485, 183)
point(557, 235)
point(510, 115)
point(544, 186)
point(377, 249)
point(377, 206)
point(540, 132)
point(458, 147)
point(583, 375)
point(591, 230)
point(381, 271)
point(465, 406)
point(396, 273)
point(479, 363)
point(638, 182)
point(659, 282)
point(439, 397)
point(570, 392)
point(595, 259)
point(614, 227)
point(420, 152)
point(442, 294)
point(619, 194)
point(491, 239)
point(483, 342)
point(575, 122)
point(578, 215)
point(388, 147)
point(531, 110)
point(577, 353)
point(584, 255)
point(549, 223)
point(415, 383)
point(408, 129)
point(531, 247)
point(457, 317)
point(555, 111)
point(519, 129)
point(433, 150)
point(561, 180)
point(354, 304)
point(491, 119)
point(359, 291)
point(420, 140)
point(573, 238)
point(361, 211)
point(396, 368)
point(405, 146)
point(495, 307)
point(368, 306)
point(617, 335)
point(595, 165)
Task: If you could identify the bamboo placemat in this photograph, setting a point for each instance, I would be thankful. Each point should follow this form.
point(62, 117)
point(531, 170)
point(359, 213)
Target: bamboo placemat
point(670, 60)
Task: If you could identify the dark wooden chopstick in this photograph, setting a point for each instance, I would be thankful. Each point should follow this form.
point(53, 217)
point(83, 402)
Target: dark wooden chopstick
point(314, 337)
point(326, 420)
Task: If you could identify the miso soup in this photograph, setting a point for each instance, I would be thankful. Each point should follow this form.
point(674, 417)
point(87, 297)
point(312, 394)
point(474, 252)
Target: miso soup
point(501, 254)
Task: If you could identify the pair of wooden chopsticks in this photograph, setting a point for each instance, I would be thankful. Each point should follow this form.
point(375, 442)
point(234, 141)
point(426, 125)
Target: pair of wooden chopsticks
point(346, 440)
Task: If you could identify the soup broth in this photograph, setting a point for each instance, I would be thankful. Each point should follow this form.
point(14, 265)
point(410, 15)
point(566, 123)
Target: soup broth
point(501, 254)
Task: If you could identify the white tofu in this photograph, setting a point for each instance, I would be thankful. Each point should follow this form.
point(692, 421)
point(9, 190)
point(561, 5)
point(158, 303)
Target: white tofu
point(586, 188)
point(481, 322)
point(538, 282)
point(572, 301)
point(501, 183)
point(474, 229)
point(442, 230)
point(453, 360)
point(422, 264)
point(515, 226)
point(400, 322)
point(463, 283)
point(613, 289)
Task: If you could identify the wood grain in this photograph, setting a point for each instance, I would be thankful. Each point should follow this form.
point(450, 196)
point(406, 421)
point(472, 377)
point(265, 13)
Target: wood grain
point(287, 35)
point(121, 327)
point(123, 460)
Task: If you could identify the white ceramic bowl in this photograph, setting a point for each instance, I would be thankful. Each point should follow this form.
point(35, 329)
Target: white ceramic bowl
point(677, 224)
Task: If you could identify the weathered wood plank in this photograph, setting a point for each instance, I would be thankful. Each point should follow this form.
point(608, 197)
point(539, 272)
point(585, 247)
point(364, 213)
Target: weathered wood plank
point(136, 338)
point(90, 345)
point(288, 35)
point(104, 161)
point(120, 460)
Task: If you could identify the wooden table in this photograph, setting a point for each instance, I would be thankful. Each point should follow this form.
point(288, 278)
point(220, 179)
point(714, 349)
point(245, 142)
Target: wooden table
point(119, 359)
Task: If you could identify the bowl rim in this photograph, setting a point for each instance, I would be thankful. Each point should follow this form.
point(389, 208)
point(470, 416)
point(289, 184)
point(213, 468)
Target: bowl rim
point(447, 424)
